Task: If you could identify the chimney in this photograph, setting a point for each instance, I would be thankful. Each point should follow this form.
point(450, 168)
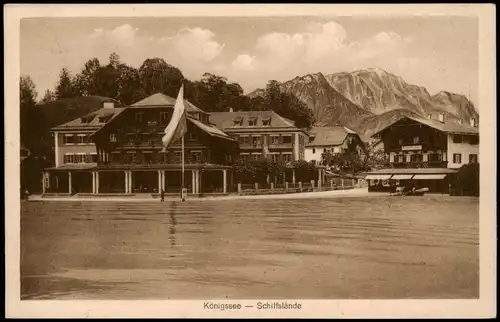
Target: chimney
point(441, 118)
point(472, 122)
point(108, 105)
point(230, 110)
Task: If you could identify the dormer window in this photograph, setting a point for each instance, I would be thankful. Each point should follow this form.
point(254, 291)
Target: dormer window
point(238, 121)
point(252, 121)
point(87, 118)
point(104, 118)
point(266, 121)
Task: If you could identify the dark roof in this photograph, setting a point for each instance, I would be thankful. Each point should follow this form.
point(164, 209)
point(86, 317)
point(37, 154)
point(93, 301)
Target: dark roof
point(92, 120)
point(331, 135)
point(443, 127)
point(226, 120)
point(64, 110)
point(162, 100)
point(210, 130)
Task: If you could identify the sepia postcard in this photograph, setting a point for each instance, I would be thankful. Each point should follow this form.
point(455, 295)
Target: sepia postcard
point(242, 160)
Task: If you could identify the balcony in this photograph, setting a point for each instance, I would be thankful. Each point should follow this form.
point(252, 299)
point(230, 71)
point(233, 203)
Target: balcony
point(415, 165)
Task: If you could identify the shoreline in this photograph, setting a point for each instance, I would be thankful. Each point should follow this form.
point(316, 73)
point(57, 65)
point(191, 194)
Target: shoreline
point(357, 192)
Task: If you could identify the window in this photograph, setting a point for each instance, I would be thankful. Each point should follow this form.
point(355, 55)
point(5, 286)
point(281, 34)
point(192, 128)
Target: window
point(256, 156)
point(148, 156)
point(139, 116)
point(416, 140)
point(105, 118)
point(255, 141)
point(195, 156)
point(314, 151)
point(400, 142)
point(132, 157)
point(287, 139)
point(82, 139)
point(69, 139)
point(266, 122)
point(400, 158)
point(472, 158)
point(244, 140)
point(112, 138)
point(93, 157)
point(163, 117)
point(192, 136)
point(238, 121)
point(457, 138)
point(252, 121)
point(457, 158)
point(275, 140)
point(474, 139)
point(177, 156)
point(434, 157)
point(415, 157)
point(287, 157)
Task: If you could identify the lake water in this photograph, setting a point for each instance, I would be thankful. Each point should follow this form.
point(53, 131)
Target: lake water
point(337, 248)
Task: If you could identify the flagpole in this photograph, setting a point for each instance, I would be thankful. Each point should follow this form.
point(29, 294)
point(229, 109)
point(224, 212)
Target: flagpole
point(182, 153)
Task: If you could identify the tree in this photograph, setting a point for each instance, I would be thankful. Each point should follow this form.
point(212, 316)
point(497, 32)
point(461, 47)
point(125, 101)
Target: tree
point(114, 60)
point(129, 85)
point(466, 180)
point(157, 76)
point(86, 81)
point(28, 113)
point(284, 104)
point(49, 96)
point(374, 158)
point(65, 87)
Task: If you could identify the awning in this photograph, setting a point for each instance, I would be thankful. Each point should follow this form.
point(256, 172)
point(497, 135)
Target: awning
point(402, 176)
point(429, 176)
point(377, 177)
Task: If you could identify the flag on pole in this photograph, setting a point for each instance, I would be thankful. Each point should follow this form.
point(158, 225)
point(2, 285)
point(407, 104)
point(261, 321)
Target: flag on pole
point(177, 126)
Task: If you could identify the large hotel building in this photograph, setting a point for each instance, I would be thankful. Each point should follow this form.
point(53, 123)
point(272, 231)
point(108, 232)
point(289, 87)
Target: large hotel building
point(119, 149)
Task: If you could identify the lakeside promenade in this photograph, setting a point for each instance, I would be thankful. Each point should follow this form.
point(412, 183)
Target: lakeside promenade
point(356, 192)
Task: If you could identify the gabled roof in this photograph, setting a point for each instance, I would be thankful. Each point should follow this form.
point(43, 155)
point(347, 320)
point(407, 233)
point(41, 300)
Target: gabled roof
point(330, 135)
point(226, 120)
point(210, 130)
point(162, 100)
point(443, 127)
point(92, 120)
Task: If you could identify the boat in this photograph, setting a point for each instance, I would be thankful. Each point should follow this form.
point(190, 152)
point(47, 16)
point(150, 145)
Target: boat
point(401, 191)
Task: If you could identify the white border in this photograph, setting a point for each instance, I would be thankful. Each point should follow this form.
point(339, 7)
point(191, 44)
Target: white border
point(484, 307)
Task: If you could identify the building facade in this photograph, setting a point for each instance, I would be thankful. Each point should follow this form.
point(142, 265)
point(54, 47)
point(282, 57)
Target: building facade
point(425, 152)
point(334, 140)
point(263, 134)
point(119, 150)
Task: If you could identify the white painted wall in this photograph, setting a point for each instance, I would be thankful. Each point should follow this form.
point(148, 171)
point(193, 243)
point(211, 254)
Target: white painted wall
point(309, 155)
point(61, 148)
point(464, 149)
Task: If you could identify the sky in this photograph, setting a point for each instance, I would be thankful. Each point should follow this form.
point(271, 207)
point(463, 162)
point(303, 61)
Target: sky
point(439, 53)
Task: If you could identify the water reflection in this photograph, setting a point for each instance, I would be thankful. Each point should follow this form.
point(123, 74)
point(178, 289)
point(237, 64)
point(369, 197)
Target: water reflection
point(173, 223)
